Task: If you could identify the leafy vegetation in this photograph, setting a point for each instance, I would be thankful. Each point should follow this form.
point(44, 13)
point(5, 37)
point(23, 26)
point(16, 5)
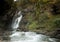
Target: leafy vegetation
point(39, 15)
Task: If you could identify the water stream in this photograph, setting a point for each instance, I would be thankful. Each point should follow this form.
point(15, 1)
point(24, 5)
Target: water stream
point(16, 20)
point(18, 36)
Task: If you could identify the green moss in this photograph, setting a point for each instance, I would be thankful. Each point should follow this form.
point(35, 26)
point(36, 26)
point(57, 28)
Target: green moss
point(33, 25)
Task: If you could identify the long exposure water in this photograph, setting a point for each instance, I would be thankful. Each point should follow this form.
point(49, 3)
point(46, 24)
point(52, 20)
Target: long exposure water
point(26, 36)
point(30, 37)
point(16, 20)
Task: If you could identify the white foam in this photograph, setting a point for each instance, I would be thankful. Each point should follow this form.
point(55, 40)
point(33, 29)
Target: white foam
point(28, 37)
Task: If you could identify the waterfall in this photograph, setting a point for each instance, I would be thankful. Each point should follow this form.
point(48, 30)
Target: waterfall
point(16, 20)
point(18, 36)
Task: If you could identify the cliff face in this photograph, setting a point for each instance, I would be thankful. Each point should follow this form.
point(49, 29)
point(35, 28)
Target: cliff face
point(41, 16)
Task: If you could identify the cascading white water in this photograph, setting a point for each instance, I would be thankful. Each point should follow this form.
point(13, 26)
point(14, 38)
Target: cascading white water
point(16, 21)
point(26, 36)
point(30, 37)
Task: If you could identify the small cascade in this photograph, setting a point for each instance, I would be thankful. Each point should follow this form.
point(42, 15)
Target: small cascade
point(16, 20)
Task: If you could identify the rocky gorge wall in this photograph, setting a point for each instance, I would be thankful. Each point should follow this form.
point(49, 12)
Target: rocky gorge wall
point(40, 16)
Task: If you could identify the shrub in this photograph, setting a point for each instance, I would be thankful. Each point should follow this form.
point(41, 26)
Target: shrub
point(57, 23)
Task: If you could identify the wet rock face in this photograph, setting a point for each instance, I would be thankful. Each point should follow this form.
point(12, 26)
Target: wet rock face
point(6, 13)
point(4, 6)
point(56, 9)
